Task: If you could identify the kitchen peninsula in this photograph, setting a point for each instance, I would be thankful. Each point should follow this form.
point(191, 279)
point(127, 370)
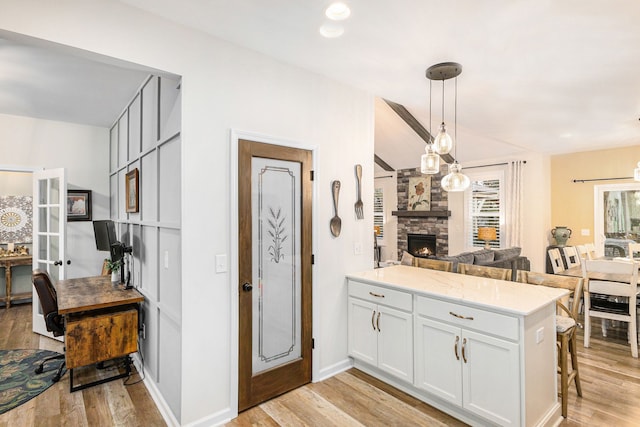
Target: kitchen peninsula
point(482, 350)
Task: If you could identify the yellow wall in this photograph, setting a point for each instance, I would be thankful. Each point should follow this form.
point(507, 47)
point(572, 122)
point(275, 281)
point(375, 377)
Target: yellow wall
point(572, 203)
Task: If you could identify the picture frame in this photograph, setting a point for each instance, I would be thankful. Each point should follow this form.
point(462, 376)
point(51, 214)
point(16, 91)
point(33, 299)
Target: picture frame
point(78, 205)
point(132, 190)
point(419, 194)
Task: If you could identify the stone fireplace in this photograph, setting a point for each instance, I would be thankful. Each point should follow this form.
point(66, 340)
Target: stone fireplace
point(421, 245)
point(434, 222)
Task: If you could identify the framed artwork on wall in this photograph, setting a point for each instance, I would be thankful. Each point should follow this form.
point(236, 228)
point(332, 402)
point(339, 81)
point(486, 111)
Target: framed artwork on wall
point(78, 205)
point(419, 194)
point(131, 190)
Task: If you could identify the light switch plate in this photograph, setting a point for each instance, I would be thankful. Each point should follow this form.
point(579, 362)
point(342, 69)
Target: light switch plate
point(586, 232)
point(221, 263)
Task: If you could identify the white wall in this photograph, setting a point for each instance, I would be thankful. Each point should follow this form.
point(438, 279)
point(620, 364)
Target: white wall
point(83, 152)
point(225, 87)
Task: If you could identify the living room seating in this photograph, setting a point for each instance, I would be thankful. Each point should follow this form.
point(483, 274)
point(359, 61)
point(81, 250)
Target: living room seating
point(503, 258)
point(611, 293)
point(433, 264)
point(53, 320)
point(485, 271)
point(566, 328)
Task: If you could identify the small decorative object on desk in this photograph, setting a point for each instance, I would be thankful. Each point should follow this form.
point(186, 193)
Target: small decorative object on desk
point(561, 233)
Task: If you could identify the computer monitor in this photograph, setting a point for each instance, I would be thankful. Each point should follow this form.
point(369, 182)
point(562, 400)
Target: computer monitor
point(105, 234)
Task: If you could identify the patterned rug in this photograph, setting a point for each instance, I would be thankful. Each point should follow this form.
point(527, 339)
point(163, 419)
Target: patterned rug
point(18, 380)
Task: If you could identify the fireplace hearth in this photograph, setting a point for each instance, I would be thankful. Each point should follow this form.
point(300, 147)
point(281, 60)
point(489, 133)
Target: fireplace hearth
point(422, 245)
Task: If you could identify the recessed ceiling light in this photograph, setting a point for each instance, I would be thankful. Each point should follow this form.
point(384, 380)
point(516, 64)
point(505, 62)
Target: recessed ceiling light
point(331, 31)
point(338, 11)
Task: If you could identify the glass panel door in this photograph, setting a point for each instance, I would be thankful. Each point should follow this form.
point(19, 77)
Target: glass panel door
point(49, 227)
point(617, 218)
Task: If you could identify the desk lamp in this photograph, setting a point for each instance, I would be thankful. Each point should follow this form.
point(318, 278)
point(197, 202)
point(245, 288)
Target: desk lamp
point(487, 234)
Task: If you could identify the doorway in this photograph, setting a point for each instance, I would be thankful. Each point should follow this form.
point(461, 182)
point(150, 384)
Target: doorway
point(274, 278)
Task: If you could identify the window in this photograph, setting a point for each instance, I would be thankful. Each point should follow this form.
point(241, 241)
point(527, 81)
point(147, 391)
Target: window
point(485, 207)
point(378, 212)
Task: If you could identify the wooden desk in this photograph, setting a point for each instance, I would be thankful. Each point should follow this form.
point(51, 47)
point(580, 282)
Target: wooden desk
point(8, 262)
point(101, 322)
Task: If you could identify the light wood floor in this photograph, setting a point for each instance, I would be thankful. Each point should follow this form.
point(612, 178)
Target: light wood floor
point(610, 384)
point(109, 404)
point(610, 389)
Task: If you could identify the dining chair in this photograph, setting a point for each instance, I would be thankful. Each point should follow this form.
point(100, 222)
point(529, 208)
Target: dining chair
point(566, 327)
point(634, 251)
point(556, 260)
point(611, 281)
point(571, 256)
point(485, 271)
point(433, 264)
point(591, 250)
point(582, 252)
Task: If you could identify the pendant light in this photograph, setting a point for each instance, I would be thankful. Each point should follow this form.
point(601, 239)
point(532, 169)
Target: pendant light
point(430, 161)
point(455, 180)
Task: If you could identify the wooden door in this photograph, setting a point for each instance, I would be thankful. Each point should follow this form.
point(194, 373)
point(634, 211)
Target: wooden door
point(274, 288)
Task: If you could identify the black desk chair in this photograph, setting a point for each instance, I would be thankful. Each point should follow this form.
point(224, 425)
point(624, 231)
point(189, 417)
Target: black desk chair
point(53, 320)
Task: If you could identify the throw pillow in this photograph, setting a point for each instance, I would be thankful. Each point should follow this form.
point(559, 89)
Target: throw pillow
point(407, 258)
point(483, 257)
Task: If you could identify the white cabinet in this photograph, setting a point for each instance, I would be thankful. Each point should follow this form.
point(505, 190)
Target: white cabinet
point(478, 372)
point(381, 329)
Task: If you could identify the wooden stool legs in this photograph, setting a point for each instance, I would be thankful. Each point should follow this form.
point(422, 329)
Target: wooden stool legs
point(567, 342)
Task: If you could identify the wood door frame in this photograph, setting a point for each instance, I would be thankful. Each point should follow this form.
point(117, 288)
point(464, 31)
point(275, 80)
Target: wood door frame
point(235, 136)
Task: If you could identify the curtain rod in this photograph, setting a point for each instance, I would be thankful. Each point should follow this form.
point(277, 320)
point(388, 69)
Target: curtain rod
point(601, 179)
point(383, 176)
point(493, 164)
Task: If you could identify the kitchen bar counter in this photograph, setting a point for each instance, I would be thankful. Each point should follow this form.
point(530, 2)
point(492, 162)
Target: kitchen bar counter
point(496, 295)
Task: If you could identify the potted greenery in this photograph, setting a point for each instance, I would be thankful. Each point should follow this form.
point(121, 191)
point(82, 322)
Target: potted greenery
point(114, 267)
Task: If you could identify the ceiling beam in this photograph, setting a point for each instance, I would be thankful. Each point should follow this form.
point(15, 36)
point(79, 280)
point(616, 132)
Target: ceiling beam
point(416, 126)
point(384, 165)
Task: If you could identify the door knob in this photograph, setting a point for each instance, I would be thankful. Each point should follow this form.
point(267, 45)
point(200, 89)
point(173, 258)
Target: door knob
point(57, 262)
point(247, 287)
point(68, 262)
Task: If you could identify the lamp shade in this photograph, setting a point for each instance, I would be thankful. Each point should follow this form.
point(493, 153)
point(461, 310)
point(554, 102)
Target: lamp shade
point(487, 233)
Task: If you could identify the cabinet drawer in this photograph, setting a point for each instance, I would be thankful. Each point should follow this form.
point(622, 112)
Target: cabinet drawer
point(469, 317)
point(379, 295)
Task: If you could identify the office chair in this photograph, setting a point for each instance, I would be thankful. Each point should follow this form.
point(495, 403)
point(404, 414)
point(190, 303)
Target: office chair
point(53, 320)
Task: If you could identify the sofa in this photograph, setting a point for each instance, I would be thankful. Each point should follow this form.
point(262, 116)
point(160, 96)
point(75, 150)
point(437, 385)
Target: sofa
point(503, 258)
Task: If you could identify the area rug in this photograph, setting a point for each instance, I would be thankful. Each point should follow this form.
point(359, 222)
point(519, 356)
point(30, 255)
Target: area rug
point(18, 380)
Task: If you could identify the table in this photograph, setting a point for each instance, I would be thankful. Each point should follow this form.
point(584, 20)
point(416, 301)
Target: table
point(577, 272)
point(101, 323)
point(8, 262)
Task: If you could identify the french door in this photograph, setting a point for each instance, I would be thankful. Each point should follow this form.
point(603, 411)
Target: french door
point(274, 288)
point(49, 230)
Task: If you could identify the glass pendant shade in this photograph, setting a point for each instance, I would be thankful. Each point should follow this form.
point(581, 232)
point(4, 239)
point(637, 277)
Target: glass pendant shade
point(636, 172)
point(443, 142)
point(430, 161)
point(455, 180)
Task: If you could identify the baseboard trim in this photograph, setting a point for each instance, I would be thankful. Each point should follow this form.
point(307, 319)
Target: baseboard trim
point(334, 369)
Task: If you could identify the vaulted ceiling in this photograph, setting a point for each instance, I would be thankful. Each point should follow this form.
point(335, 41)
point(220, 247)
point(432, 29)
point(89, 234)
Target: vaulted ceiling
point(538, 75)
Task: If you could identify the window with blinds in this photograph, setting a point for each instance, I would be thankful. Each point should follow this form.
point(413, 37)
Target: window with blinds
point(485, 209)
point(378, 212)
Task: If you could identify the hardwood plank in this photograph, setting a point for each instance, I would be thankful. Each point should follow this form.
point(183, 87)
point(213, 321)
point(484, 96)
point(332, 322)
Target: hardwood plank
point(316, 410)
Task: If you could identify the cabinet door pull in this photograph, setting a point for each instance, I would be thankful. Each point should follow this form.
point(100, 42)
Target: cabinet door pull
point(373, 294)
point(378, 321)
point(373, 316)
point(464, 344)
point(459, 316)
point(455, 348)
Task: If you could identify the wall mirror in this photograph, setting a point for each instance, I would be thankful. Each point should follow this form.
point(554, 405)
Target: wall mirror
point(617, 217)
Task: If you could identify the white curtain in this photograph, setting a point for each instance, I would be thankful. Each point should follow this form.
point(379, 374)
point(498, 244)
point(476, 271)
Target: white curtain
point(514, 204)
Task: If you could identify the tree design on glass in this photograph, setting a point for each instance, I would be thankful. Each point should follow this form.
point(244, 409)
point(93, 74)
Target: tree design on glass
point(276, 231)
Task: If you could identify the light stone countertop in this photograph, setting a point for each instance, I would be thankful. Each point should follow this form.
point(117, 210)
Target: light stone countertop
point(496, 295)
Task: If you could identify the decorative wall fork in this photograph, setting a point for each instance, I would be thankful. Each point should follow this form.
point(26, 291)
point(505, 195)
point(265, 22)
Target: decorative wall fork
point(359, 205)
